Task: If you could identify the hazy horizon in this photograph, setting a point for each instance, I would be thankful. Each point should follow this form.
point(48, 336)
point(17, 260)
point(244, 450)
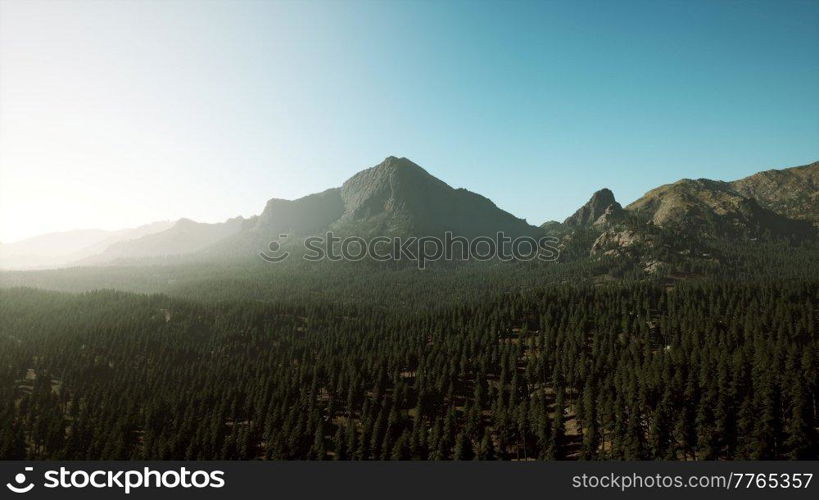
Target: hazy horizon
point(118, 114)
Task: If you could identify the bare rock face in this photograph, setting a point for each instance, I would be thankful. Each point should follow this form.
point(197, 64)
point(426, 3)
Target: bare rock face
point(652, 266)
point(613, 214)
point(614, 242)
point(593, 209)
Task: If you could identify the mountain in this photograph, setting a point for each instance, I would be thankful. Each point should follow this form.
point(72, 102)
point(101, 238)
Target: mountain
point(552, 227)
point(399, 197)
point(791, 192)
point(600, 202)
point(62, 248)
point(184, 237)
point(302, 216)
point(293, 218)
point(394, 198)
point(712, 209)
point(692, 217)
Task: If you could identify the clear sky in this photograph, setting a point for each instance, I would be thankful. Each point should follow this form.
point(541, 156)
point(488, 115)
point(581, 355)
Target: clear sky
point(115, 114)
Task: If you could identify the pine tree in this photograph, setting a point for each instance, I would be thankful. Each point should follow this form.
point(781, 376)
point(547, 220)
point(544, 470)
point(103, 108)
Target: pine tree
point(463, 448)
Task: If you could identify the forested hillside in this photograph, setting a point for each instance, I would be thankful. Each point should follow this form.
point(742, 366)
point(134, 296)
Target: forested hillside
point(628, 370)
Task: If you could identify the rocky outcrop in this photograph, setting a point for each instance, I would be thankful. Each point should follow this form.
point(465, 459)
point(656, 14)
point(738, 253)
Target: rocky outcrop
point(791, 192)
point(594, 208)
point(613, 214)
point(616, 242)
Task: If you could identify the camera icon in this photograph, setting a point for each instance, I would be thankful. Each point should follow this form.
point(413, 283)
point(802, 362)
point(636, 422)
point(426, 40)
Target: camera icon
point(20, 478)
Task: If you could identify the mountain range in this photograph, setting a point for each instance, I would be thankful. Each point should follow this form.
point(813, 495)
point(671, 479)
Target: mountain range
point(398, 197)
point(70, 247)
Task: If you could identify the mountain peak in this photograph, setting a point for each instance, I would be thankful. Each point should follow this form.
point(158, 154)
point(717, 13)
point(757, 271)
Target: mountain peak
point(593, 209)
point(393, 185)
point(395, 159)
point(397, 196)
point(603, 196)
point(393, 163)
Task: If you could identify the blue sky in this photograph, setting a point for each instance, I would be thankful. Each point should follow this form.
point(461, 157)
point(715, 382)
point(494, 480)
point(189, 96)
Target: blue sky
point(114, 114)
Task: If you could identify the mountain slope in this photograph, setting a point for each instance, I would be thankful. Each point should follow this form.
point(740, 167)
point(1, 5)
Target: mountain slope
point(399, 197)
point(711, 209)
point(61, 248)
point(184, 237)
point(394, 198)
point(791, 192)
point(302, 216)
point(293, 218)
